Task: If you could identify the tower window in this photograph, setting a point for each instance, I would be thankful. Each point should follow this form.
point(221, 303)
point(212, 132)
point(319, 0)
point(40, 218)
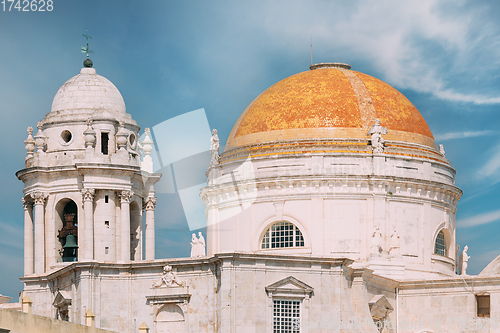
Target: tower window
point(282, 235)
point(106, 223)
point(106, 199)
point(106, 250)
point(286, 316)
point(104, 143)
point(483, 306)
point(66, 136)
point(440, 246)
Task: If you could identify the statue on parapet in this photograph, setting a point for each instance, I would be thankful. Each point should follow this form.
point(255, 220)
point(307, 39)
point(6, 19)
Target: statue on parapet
point(464, 258)
point(441, 150)
point(376, 131)
point(395, 242)
point(214, 148)
point(376, 241)
point(197, 245)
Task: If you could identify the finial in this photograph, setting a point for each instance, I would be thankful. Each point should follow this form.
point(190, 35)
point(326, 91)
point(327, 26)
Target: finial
point(87, 63)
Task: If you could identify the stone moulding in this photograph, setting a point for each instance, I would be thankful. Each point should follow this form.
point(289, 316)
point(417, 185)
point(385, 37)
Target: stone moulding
point(392, 187)
point(170, 295)
point(290, 286)
point(62, 299)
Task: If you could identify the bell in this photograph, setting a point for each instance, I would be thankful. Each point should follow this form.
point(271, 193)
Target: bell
point(70, 242)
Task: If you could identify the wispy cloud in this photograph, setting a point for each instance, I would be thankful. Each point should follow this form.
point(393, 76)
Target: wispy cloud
point(11, 235)
point(479, 219)
point(406, 41)
point(483, 259)
point(491, 170)
point(463, 135)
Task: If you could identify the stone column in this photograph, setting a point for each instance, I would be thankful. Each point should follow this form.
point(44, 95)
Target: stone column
point(28, 236)
point(125, 198)
point(39, 199)
point(150, 203)
point(87, 244)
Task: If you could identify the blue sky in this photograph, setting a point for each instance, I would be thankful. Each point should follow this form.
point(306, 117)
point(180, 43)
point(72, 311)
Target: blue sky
point(171, 57)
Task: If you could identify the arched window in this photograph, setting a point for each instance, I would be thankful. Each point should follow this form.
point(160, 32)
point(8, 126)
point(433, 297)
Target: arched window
point(282, 235)
point(440, 246)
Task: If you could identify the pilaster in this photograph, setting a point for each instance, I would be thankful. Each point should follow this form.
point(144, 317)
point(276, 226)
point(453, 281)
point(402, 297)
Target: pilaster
point(125, 198)
point(150, 203)
point(28, 236)
point(39, 199)
point(88, 206)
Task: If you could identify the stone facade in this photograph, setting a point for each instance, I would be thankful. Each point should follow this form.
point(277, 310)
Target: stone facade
point(347, 228)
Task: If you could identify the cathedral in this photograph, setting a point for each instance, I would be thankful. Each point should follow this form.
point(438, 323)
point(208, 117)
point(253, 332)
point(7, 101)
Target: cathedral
point(331, 209)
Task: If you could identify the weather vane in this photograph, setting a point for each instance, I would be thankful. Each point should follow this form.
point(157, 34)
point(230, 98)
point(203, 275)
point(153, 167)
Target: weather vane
point(86, 50)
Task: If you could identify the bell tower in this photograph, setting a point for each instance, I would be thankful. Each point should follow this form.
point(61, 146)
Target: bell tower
point(85, 187)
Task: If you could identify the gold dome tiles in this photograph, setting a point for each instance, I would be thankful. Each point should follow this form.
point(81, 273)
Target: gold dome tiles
point(329, 103)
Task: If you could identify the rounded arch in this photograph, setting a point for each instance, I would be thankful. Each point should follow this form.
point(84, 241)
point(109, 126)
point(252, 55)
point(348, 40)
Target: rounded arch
point(66, 219)
point(267, 224)
point(170, 318)
point(443, 234)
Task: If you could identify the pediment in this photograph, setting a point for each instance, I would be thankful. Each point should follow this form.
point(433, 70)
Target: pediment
point(62, 298)
point(291, 286)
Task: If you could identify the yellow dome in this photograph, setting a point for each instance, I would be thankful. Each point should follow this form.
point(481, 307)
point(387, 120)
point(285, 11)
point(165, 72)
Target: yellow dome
point(329, 102)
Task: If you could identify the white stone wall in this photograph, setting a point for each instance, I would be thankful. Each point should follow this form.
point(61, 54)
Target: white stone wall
point(336, 201)
point(448, 305)
point(226, 293)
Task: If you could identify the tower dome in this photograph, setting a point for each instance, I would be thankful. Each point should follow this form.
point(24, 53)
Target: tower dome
point(86, 91)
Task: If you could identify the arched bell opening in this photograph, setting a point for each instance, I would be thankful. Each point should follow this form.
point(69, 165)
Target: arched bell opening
point(67, 226)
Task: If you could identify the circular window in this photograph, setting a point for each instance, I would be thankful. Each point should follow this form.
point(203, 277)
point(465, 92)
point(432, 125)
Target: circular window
point(66, 136)
point(131, 140)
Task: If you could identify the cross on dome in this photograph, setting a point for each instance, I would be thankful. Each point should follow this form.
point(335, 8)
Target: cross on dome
point(87, 63)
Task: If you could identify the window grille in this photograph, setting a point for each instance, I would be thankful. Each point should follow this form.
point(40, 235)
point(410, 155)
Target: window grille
point(286, 316)
point(440, 246)
point(282, 235)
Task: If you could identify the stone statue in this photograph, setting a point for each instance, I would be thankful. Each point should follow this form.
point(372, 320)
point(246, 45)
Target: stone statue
point(395, 242)
point(376, 132)
point(201, 244)
point(197, 246)
point(214, 148)
point(376, 240)
point(169, 278)
point(441, 150)
point(464, 258)
point(194, 246)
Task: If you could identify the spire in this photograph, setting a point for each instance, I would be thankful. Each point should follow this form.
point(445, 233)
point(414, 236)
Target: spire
point(87, 63)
